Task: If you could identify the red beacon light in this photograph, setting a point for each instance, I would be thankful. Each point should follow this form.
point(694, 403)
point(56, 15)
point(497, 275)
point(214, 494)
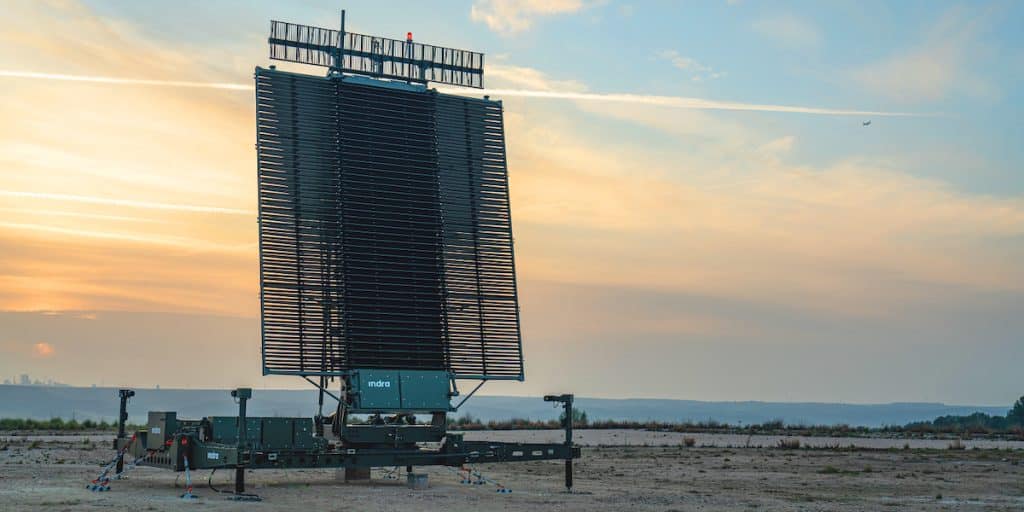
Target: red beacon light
point(408, 36)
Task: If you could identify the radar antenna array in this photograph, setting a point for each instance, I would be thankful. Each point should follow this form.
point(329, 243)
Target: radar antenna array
point(386, 262)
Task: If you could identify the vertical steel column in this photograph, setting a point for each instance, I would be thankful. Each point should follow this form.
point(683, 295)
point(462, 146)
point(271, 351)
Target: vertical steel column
point(122, 417)
point(320, 407)
point(242, 394)
point(568, 443)
point(566, 401)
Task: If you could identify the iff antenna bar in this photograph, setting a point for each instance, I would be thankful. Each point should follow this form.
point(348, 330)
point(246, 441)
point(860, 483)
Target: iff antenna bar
point(381, 57)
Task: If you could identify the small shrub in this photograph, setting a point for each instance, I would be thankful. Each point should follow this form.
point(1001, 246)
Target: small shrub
point(689, 442)
point(830, 470)
point(35, 444)
point(790, 443)
point(957, 445)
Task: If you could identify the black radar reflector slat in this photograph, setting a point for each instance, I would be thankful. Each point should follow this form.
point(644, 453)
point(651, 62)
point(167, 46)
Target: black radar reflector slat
point(385, 235)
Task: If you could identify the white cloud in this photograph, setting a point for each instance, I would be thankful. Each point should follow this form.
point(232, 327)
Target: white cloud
point(508, 17)
point(530, 78)
point(698, 72)
point(789, 30)
point(778, 146)
point(934, 68)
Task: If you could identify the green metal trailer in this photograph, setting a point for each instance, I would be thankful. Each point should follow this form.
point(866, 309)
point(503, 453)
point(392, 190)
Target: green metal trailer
point(243, 442)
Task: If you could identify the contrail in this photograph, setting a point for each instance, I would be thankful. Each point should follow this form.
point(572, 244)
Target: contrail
point(79, 215)
point(681, 102)
point(125, 81)
point(127, 202)
point(185, 243)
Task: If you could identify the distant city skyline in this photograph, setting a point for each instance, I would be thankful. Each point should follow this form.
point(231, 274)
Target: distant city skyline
point(26, 380)
point(700, 208)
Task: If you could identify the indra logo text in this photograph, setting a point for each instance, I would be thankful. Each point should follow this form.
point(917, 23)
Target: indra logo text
point(379, 383)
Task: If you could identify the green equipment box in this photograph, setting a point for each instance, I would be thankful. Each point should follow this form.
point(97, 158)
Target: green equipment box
point(265, 434)
point(400, 390)
point(160, 428)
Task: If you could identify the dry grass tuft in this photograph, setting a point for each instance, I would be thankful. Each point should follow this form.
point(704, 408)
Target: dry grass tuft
point(789, 443)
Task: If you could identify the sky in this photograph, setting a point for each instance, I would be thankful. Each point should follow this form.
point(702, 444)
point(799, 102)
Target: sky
point(699, 210)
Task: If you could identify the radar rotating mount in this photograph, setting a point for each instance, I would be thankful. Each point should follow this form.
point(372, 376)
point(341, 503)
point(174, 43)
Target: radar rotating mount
point(387, 271)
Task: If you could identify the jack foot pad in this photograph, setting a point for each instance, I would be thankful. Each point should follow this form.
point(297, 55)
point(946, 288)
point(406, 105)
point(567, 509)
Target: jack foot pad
point(244, 497)
point(416, 481)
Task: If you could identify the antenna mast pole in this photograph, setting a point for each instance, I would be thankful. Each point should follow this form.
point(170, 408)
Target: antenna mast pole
point(339, 61)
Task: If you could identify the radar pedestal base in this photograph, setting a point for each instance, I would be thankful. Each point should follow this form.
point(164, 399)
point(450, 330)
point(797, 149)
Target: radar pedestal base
point(357, 475)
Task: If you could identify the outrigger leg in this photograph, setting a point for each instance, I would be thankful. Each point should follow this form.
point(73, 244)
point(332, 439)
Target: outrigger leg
point(566, 401)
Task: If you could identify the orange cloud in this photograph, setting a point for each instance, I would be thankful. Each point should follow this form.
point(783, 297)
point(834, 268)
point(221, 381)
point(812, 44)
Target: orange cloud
point(720, 212)
point(733, 218)
point(117, 196)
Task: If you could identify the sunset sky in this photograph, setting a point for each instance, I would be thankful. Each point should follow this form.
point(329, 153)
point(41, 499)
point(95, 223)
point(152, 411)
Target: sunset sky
point(699, 212)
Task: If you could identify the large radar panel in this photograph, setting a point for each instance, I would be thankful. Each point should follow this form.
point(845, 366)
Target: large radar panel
point(385, 233)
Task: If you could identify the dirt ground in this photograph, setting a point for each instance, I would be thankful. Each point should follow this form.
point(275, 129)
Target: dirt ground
point(52, 475)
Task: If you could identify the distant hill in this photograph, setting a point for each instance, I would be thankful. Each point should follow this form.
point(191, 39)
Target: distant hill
point(44, 402)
